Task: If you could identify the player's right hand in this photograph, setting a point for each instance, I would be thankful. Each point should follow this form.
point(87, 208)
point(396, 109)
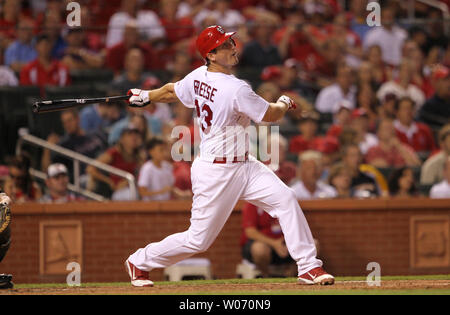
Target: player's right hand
point(138, 98)
point(288, 101)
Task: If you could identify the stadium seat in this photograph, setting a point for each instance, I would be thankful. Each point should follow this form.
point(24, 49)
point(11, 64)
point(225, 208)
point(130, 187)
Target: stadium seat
point(189, 268)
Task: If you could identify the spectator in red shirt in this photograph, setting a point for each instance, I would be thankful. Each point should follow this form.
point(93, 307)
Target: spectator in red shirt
point(342, 118)
point(262, 240)
point(418, 135)
point(307, 140)
point(176, 28)
point(115, 56)
point(390, 152)
point(44, 70)
point(9, 17)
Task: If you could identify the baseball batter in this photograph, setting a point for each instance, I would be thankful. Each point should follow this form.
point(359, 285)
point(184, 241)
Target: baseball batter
point(224, 172)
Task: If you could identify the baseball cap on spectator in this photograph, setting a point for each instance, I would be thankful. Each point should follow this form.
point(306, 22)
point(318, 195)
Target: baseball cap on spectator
point(359, 112)
point(151, 83)
point(56, 169)
point(130, 128)
point(291, 63)
point(441, 72)
point(327, 145)
point(270, 73)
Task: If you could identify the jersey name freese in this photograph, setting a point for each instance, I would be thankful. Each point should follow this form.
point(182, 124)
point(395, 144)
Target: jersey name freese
point(224, 108)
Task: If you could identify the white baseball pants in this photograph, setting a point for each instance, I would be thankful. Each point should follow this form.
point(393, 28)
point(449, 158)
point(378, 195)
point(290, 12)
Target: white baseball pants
point(217, 188)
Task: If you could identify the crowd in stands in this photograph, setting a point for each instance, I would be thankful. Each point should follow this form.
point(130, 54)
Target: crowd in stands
point(374, 102)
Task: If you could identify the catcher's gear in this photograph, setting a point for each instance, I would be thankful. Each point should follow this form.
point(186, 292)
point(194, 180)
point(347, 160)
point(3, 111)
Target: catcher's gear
point(138, 98)
point(6, 281)
point(288, 101)
point(5, 221)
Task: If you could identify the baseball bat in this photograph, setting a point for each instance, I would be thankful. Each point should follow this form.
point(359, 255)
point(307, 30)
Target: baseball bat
point(56, 105)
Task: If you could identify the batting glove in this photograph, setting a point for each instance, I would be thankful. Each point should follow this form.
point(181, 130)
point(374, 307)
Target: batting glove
point(138, 98)
point(288, 101)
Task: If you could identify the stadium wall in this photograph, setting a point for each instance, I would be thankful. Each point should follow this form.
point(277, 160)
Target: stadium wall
point(405, 236)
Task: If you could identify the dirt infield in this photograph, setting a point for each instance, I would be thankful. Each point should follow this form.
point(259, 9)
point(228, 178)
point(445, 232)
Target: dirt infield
point(340, 287)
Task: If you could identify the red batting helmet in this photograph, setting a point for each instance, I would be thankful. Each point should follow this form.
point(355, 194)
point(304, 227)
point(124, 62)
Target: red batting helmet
point(210, 38)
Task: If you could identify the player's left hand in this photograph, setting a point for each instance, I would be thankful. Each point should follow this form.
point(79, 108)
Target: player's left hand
point(288, 101)
point(138, 98)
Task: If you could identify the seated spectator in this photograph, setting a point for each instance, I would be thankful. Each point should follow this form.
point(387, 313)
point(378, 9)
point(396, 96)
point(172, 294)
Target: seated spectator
point(309, 186)
point(147, 21)
point(57, 182)
point(7, 77)
point(116, 54)
point(44, 70)
point(342, 118)
point(260, 51)
point(10, 15)
point(366, 181)
point(262, 241)
point(436, 112)
point(442, 189)
point(52, 27)
point(358, 18)
point(176, 28)
point(21, 51)
point(403, 86)
point(124, 155)
point(156, 178)
point(386, 110)
point(154, 124)
point(76, 56)
point(417, 135)
point(360, 123)
point(134, 75)
point(401, 183)
point(308, 125)
point(343, 89)
point(381, 72)
point(99, 117)
point(19, 185)
point(367, 101)
point(433, 168)
point(225, 16)
point(339, 178)
point(390, 152)
point(388, 36)
point(348, 41)
point(180, 67)
point(75, 139)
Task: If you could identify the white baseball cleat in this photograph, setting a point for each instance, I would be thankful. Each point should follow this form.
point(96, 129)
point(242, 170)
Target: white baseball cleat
point(138, 277)
point(316, 276)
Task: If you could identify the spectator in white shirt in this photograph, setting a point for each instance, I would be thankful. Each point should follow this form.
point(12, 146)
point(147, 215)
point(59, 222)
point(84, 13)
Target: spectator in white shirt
point(329, 97)
point(149, 25)
point(225, 16)
point(309, 186)
point(156, 179)
point(442, 189)
point(388, 36)
point(402, 86)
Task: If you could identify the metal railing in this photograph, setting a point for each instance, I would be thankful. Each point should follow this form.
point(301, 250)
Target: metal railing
point(77, 159)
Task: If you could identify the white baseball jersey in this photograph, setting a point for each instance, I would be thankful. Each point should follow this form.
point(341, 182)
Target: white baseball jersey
point(224, 105)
